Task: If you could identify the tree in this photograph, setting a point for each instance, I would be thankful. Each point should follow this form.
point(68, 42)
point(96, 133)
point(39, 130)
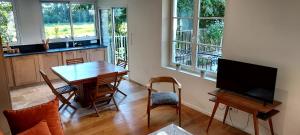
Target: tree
point(5, 10)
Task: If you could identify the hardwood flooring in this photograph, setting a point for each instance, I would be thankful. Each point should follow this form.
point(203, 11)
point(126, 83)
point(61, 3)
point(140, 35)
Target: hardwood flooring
point(131, 119)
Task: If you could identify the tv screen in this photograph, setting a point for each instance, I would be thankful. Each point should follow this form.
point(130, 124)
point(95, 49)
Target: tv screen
point(247, 79)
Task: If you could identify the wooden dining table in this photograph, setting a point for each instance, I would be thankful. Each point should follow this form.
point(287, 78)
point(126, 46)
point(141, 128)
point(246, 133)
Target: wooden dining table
point(85, 73)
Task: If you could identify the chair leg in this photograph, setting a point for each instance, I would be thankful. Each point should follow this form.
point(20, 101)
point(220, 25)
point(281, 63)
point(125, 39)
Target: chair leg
point(179, 109)
point(95, 109)
point(113, 98)
point(122, 92)
point(61, 106)
point(148, 117)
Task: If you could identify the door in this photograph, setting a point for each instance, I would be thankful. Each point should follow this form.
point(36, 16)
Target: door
point(113, 32)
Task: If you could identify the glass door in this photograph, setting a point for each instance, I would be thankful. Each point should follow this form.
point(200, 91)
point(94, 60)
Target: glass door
point(113, 33)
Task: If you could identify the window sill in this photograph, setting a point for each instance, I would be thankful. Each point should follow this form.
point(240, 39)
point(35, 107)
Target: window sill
point(209, 76)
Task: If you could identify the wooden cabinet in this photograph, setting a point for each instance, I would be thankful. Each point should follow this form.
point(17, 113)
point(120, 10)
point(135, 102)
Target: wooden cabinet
point(68, 55)
point(8, 68)
point(97, 54)
point(26, 69)
point(82, 54)
point(49, 60)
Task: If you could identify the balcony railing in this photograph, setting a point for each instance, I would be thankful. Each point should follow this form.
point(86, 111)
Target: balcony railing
point(206, 54)
point(121, 47)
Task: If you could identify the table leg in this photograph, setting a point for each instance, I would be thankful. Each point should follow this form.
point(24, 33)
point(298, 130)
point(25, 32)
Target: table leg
point(271, 126)
point(212, 115)
point(255, 122)
point(225, 114)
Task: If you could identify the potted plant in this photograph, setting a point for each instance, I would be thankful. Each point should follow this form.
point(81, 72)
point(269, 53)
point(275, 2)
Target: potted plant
point(202, 73)
point(178, 66)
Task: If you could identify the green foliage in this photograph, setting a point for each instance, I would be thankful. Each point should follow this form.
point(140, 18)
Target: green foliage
point(120, 21)
point(5, 9)
point(213, 34)
point(212, 8)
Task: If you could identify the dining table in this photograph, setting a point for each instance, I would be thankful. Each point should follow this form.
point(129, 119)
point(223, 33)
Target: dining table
point(84, 74)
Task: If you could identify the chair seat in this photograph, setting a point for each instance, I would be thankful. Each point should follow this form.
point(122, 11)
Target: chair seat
point(164, 98)
point(66, 89)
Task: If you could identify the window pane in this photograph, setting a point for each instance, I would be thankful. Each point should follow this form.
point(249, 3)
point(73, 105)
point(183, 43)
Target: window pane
point(182, 53)
point(209, 43)
point(212, 8)
point(184, 8)
point(7, 22)
point(183, 29)
point(83, 18)
point(56, 20)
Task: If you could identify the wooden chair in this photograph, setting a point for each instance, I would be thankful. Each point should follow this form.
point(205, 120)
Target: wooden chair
point(156, 99)
point(105, 90)
point(74, 61)
point(121, 63)
point(71, 90)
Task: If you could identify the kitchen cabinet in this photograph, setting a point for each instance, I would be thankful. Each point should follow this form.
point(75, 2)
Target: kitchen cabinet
point(68, 55)
point(82, 54)
point(25, 69)
point(97, 54)
point(9, 72)
point(46, 61)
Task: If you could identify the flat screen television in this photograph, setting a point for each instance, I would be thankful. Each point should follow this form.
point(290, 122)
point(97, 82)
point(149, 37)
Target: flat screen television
point(251, 80)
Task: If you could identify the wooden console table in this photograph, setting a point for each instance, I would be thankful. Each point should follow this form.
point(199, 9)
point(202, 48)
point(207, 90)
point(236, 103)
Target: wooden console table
point(258, 109)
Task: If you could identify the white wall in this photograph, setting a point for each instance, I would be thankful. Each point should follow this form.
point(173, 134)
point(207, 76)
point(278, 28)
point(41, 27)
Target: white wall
point(259, 31)
point(267, 32)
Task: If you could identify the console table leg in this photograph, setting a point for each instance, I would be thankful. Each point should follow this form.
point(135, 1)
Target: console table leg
point(271, 126)
point(225, 114)
point(255, 122)
point(212, 115)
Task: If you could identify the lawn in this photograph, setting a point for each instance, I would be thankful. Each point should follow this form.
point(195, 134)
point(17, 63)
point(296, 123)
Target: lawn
point(64, 30)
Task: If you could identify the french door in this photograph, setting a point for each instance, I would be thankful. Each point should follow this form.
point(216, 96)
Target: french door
point(113, 33)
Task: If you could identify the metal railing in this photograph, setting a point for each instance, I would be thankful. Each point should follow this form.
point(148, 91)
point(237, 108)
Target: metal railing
point(207, 55)
point(121, 47)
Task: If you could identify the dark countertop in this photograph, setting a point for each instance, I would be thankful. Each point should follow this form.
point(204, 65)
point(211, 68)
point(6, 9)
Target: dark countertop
point(56, 50)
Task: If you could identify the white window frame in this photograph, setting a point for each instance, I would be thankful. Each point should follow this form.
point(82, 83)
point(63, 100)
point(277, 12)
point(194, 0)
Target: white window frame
point(72, 38)
point(18, 37)
point(193, 67)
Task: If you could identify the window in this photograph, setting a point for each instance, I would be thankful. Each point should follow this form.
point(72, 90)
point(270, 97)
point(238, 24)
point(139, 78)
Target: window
point(7, 22)
point(197, 33)
point(68, 20)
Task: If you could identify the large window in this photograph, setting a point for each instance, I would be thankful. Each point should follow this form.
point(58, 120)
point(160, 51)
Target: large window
point(197, 33)
point(7, 22)
point(68, 20)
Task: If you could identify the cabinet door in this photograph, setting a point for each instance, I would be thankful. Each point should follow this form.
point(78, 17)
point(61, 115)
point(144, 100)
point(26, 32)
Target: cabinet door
point(26, 69)
point(50, 60)
point(68, 55)
point(82, 54)
point(97, 54)
point(8, 68)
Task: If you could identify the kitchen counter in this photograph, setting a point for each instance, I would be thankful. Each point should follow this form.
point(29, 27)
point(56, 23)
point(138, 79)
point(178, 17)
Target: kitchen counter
point(56, 50)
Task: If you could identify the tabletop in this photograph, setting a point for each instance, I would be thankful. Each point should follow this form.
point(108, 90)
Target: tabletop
point(85, 71)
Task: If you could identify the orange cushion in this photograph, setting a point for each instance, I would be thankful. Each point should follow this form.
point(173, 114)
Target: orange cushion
point(1, 133)
point(39, 129)
point(23, 119)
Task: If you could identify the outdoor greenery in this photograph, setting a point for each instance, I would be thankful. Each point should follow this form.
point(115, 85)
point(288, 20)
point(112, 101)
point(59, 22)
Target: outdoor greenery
point(7, 26)
point(57, 21)
point(210, 30)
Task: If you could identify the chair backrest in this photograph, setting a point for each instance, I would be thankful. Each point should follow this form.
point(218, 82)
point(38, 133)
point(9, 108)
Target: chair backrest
point(164, 79)
point(74, 61)
point(47, 80)
point(122, 63)
point(108, 79)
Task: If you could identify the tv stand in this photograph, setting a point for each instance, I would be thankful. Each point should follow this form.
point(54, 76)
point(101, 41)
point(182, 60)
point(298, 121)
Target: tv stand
point(259, 110)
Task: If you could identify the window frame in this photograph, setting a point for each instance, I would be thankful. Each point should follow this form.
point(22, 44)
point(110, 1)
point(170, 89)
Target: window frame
point(17, 25)
point(72, 38)
point(194, 41)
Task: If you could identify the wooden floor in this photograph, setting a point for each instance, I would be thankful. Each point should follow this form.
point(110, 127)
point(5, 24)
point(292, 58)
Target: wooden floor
point(131, 119)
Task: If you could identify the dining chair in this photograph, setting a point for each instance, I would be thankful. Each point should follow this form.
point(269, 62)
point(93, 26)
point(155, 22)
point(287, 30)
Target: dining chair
point(156, 99)
point(104, 91)
point(121, 63)
point(74, 61)
point(60, 91)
